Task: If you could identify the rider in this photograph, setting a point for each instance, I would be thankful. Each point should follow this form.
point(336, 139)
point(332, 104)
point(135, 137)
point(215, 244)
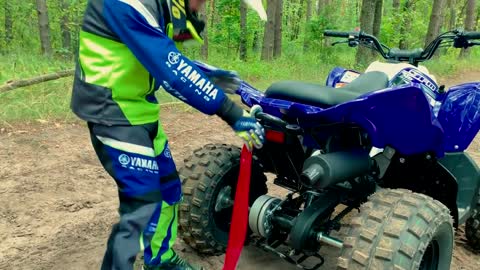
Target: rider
point(127, 51)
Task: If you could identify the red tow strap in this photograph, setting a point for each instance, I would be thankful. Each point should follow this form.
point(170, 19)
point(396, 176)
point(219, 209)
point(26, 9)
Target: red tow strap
point(238, 227)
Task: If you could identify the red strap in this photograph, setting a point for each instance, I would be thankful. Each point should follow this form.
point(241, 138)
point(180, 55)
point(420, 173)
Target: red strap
point(238, 227)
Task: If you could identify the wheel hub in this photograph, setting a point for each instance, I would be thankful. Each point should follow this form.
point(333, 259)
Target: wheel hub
point(260, 216)
point(224, 199)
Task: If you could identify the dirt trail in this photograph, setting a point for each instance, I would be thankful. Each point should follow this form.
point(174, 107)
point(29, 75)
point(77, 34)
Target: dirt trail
point(57, 204)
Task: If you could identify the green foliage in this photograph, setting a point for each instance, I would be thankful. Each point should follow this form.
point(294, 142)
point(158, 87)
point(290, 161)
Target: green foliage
point(21, 56)
point(51, 100)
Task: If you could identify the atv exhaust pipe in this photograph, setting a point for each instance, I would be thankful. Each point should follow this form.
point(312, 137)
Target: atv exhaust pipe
point(321, 171)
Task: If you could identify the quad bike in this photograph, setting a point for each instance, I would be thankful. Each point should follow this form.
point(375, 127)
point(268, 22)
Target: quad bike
point(387, 146)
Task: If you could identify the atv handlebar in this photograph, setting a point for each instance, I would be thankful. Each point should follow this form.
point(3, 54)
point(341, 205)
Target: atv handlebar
point(459, 38)
point(271, 119)
point(330, 33)
point(471, 35)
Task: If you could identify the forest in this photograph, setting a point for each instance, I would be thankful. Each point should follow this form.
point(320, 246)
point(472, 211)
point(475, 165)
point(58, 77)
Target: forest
point(40, 37)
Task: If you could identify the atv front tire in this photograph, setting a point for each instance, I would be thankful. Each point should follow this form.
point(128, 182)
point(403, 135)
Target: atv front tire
point(472, 230)
point(399, 229)
point(204, 176)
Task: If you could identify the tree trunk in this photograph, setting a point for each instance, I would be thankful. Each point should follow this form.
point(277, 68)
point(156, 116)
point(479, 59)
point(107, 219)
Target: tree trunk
point(212, 12)
point(469, 22)
point(77, 21)
point(406, 26)
point(8, 23)
point(396, 5)
point(477, 16)
point(243, 31)
point(435, 21)
point(277, 46)
point(295, 21)
point(367, 18)
point(306, 42)
point(321, 6)
point(453, 15)
point(256, 41)
point(44, 27)
point(377, 21)
point(269, 35)
point(65, 25)
point(204, 17)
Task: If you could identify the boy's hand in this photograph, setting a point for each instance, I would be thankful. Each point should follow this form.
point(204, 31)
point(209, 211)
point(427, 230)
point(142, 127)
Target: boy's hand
point(227, 80)
point(252, 133)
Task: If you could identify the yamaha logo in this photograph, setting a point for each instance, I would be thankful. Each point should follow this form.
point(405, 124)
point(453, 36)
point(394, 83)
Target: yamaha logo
point(174, 58)
point(167, 153)
point(124, 159)
point(138, 163)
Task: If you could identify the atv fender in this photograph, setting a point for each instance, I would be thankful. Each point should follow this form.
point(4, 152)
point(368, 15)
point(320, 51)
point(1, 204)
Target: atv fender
point(463, 170)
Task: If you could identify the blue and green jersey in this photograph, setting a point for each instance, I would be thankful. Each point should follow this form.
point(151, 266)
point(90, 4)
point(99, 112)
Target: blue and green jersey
point(124, 57)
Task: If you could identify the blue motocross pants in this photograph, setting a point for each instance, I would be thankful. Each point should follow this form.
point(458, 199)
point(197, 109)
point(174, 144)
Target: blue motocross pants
point(139, 160)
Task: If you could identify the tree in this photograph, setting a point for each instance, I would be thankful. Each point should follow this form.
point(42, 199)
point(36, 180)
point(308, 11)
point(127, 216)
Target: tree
point(469, 24)
point(476, 19)
point(65, 25)
point(204, 17)
point(277, 47)
point(367, 18)
point(321, 5)
point(436, 20)
point(396, 5)
point(256, 41)
point(377, 20)
point(406, 24)
point(211, 7)
point(307, 22)
point(453, 15)
point(269, 35)
point(295, 21)
point(8, 23)
point(243, 31)
point(44, 27)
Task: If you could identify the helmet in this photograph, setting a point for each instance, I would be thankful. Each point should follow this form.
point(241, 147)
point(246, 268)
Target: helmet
point(182, 24)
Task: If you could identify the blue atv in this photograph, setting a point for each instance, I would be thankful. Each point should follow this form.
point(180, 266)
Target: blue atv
point(385, 147)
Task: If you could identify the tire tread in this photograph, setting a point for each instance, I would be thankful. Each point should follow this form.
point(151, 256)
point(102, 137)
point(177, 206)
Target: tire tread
point(374, 237)
point(199, 175)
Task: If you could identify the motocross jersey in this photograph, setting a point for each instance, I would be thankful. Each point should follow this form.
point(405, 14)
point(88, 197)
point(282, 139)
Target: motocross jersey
point(124, 57)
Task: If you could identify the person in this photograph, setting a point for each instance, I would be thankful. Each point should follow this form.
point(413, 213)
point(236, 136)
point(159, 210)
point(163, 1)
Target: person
point(127, 51)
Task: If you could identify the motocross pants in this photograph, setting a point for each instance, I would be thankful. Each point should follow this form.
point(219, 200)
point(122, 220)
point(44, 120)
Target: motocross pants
point(149, 189)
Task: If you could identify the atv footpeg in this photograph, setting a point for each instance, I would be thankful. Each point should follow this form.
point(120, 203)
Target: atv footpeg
point(315, 259)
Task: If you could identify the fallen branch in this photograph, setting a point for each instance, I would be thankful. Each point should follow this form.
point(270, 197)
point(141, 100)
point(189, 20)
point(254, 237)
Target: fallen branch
point(11, 85)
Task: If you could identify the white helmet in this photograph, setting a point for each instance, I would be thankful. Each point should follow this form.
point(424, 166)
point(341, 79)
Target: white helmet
point(184, 25)
point(257, 5)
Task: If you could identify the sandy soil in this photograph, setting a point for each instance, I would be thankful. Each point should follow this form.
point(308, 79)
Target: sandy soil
point(57, 204)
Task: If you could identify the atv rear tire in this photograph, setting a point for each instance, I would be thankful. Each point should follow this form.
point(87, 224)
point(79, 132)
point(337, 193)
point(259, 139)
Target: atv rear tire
point(472, 230)
point(399, 229)
point(204, 174)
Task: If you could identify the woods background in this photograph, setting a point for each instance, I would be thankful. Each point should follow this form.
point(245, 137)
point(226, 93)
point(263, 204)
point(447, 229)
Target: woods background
point(40, 37)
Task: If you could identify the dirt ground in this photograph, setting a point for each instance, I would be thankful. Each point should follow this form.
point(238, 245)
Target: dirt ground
point(57, 204)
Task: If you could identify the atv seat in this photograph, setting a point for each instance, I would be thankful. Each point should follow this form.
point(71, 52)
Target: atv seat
point(314, 94)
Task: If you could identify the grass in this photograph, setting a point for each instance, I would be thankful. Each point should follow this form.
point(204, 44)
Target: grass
point(50, 101)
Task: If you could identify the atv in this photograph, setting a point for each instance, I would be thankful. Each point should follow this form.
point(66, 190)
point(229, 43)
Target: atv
point(379, 154)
